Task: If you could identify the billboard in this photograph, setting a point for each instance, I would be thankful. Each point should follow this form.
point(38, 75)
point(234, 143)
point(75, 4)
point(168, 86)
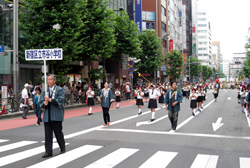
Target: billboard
point(138, 13)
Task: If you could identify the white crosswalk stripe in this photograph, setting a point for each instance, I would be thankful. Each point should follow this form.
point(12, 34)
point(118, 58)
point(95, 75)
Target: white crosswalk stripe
point(67, 157)
point(3, 140)
point(16, 145)
point(244, 162)
point(113, 159)
point(160, 160)
point(205, 161)
point(23, 155)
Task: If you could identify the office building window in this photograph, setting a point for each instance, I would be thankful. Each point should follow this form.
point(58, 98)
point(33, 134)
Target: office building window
point(201, 13)
point(202, 31)
point(202, 25)
point(163, 10)
point(202, 48)
point(202, 19)
point(202, 43)
point(163, 27)
point(202, 37)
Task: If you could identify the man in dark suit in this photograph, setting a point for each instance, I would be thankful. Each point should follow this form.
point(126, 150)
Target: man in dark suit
point(53, 115)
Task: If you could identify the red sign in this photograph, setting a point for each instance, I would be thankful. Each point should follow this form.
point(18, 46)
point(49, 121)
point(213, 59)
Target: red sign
point(170, 45)
point(193, 29)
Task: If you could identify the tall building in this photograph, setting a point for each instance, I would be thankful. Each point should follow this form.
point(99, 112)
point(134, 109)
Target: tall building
point(204, 38)
point(194, 27)
point(217, 43)
point(155, 13)
point(187, 27)
point(226, 67)
point(215, 57)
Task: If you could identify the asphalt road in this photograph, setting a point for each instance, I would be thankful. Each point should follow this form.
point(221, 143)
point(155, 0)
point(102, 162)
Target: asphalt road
point(132, 141)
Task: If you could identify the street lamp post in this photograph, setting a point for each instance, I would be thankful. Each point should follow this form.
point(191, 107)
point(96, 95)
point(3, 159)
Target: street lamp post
point(15, 48)
point(189, 67)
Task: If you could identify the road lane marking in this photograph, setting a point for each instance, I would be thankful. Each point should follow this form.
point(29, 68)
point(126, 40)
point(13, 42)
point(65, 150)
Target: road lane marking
point(67, 157)
point(113, 158)
point(205, 161)
point(244, 162)
point(16, 145)
point(150, 122)
point(191, 117)
point(23, 155)
point(160, 159)
point(248, 119)
point(218, 124)
point(175, 133)
point(3, 140)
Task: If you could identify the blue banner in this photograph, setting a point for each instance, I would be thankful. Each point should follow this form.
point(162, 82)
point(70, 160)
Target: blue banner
point(138, 13)
point(180, 13)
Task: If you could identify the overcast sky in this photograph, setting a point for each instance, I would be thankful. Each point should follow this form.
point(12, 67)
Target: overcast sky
point(229, 20)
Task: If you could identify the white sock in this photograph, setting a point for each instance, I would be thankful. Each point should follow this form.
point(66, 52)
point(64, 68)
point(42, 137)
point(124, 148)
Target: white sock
point(90, 110)
point(153, 115)
point(117, 104)
point(242, 108)
point(202, 105)
point(194, 110)
point(139, 110)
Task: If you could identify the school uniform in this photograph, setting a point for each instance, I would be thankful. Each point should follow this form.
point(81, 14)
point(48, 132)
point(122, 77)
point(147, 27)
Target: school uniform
point(135, 94)
point(139, 101)
point(203, 92)
point(153, 93)
point(238, 94)
point(199, 99)
point(215, 94)
point(242, 97)
point(117, 96)
point(146, 94)
point(90, 98)
point(193, 102)
point(161, 98)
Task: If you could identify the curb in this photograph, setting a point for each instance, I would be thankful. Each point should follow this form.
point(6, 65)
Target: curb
point(32, 113)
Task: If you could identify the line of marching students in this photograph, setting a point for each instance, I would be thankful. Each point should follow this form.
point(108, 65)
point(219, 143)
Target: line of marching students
point(243, 98)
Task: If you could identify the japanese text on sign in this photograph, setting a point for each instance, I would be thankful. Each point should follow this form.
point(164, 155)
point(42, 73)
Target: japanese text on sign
point(44, 54)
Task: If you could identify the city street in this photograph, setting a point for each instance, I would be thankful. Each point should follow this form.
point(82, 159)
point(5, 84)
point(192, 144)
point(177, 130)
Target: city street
point(219, 136)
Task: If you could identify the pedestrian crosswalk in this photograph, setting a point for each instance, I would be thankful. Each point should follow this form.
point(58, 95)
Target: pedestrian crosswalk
point(159, 159)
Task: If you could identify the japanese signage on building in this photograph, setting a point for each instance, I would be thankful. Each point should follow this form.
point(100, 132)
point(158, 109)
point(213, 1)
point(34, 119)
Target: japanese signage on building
point(170, 45)
point(44, 54)
point(138, 13)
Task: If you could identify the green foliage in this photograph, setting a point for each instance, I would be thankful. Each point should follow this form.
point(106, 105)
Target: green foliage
point(97, 31)
point(175, 62)
point(195, 68)
point(61, 78)
point(37, 20)
point(246, 67)
point(151, 58)
point(96, 74)
point(126, 36)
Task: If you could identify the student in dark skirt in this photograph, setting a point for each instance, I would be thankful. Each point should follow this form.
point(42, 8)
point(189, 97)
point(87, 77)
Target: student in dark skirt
point(153, 96)
point(203, 93)
point(90, 94)
point(238, 95)
point(117, 97)
point(135, 92)
point(139, 100)
point(161, 98)
point(215, 92)
point(199, 99)
point(193, 101)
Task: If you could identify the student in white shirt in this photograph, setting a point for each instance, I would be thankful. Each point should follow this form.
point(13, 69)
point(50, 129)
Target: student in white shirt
point(193, 101)
point(153, 96)
point(117, 97)
point(139, 101)
point(90, 95)
point(25, 100)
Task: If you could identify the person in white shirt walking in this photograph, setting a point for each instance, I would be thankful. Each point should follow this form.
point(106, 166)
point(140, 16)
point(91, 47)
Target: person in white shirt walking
point(25, 100)
point(117, 97)
point(90, 95)
point(193, 101)
point(139, 101)
point(153, 96)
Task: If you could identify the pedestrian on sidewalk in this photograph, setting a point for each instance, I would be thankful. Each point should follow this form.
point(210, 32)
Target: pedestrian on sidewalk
point(173, 99)
point(243, 95)
point(36, 105)
point(53, 115)
point(117, 97)
point(247, 104)
point(90, 94)
point(153, 96)
point(25, 100)
point(105, 96)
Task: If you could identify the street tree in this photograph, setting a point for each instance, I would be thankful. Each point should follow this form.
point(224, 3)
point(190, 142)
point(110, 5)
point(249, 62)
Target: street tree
point(195, 68)
point(52, 24)
point(246, 64)
point(126, 37)
point(96, 33)
point(151, 58)
point(175, 62)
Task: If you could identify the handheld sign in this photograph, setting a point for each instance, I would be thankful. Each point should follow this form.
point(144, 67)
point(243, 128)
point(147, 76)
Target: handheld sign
point(44, 54)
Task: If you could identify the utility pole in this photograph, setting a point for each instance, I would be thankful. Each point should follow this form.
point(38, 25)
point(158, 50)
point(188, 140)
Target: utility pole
point(15, 48)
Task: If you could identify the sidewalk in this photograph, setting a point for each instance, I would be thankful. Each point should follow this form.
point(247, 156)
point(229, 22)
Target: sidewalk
point(31, 112)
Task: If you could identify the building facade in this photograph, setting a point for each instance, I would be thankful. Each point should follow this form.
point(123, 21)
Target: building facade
point(215, 57)
point(217, 43)
point(204, 38)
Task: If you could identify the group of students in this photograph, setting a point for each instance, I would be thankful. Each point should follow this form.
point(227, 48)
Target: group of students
point(243, 98)
point(198, 96)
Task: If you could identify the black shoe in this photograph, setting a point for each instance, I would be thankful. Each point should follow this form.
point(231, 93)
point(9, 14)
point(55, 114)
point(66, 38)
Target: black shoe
point(62, 151)
point(201, 107)
point(47, 155)
point(174, 128)
point(193, 114)
point(24, 117)
point(152, 120)
point(140, 113)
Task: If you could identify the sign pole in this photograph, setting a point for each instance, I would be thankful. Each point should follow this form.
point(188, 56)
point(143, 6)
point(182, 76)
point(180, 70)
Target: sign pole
point(45, 76)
